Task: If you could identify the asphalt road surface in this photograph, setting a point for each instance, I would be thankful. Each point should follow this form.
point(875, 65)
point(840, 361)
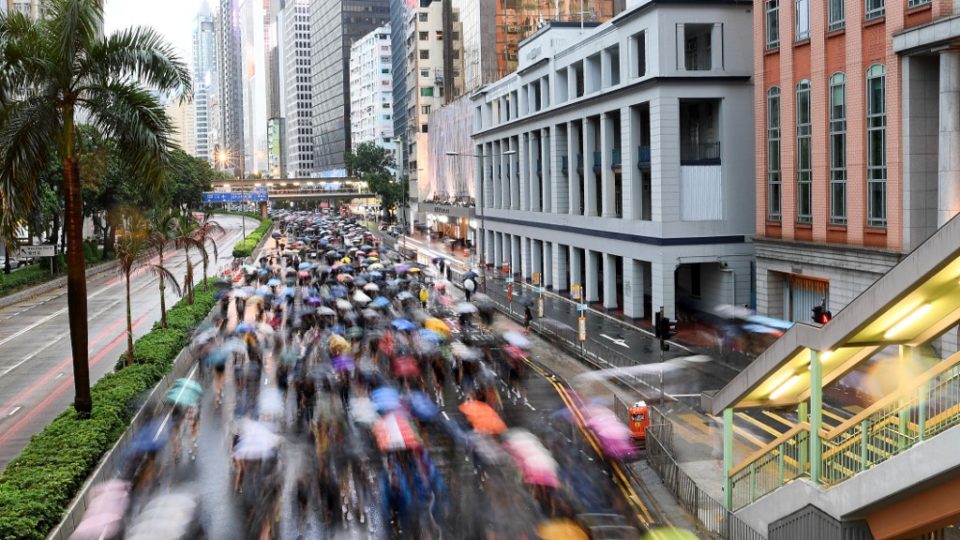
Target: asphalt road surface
point(36, 381)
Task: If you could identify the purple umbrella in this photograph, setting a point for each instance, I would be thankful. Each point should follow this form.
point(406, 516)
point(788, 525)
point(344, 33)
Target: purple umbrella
point(342, 363)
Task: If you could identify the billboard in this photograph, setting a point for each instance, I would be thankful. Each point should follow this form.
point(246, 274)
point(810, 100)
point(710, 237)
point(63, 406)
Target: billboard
point(217, 197)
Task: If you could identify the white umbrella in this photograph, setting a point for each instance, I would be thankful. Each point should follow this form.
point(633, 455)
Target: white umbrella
point(324, 310)
point(361, 298)
point(371, 287)
point(363, 411)
point(344, 305)
point(516, 339)
point(465, 307)
point(257, 441)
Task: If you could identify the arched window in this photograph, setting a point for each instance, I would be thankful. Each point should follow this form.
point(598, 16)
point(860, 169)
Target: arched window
point(804, 154)
point(876, 146)
point(774, 180)
point(838, 149)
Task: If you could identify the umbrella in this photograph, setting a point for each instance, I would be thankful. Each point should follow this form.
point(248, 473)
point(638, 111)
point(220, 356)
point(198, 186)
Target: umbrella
point(361, 298)
point(337, 345)
point(270, 402)
point(354, 332)
point(342, 363)
point(561, 529)
point(313, 301)
point(105, 510)
point(482, 417)
point(465, 307)
point(303, 274)
point(761, 329)
point(371, 287)
point(405, 366)
point(256, 441)
point(274, 282)
point(363, 411)
point(325, 311)
point(463, 352)
point(150, 438)
point(394, 432)
point(344, 305)
point(185, 393)
point(385, 399)
point(470, 275)
point(403, 325)
point(245, 328)
point(404, 295)
point(276, 236)
point(516, 339)
point(380, 302)
point(729, 311)
point(217, 357)
point(613, 435)
point(221, 285)
point(403, 268)
point(437, 326)
point(304, 266)
point(429, 336)
point(422, 406)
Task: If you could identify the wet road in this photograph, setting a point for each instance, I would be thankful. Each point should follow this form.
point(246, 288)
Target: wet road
point(36, 382)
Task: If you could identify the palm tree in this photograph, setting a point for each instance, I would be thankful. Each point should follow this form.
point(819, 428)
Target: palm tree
point(52, 71)
point(162, 221)
point(204, 233)
point(135, 245)
point(185, 237)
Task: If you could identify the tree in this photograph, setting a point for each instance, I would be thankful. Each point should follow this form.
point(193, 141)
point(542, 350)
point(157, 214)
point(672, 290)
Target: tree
point(185, 237)
point(204, 233)
point(136, 243)
point(374, 165)
point(58, 67)
point(162, 222)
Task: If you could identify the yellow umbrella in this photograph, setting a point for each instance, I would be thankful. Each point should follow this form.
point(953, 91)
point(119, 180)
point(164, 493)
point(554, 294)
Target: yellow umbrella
point(561, 529)
point(338, 345)
point(669, 533)
point(346, 260)
point(437, 326)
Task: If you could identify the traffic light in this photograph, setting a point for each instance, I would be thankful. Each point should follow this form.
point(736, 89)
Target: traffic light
point(820, 314)
point(664, 329)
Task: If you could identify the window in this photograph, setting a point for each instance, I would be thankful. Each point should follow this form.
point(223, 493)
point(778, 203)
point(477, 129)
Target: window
point(426, 91)
point(876, 147)
point(804, 155)
point(838, 149)
point(422, 17)
point(425, 109)
point(874, 9)
point(915, 3)
point(423, 36)
point(424, 72)
point(835, 19)
point(772, 8)
point(424, 54)
point(697, 53)
point(802, 20)
point(773, 154)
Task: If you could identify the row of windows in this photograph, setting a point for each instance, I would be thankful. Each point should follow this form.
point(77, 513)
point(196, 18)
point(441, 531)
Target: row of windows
point(876, 141)
point(836, 17)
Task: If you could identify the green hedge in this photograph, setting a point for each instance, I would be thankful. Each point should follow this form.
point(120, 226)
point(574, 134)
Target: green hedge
point(246, 246)
point(37, 486)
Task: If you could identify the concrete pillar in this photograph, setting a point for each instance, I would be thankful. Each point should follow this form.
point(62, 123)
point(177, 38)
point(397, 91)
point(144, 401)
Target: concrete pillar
point(681, 59)
point(589, 177)
point(576, 266)
point(663, 288)
point(523, 169)
point(633, 288)
point(537, 251)
point(816, 415)
point(515, 264)
point(514, 174)
point(478, 174)
point(716, 47)
point(949, 140)
point(606, 173)
point(526, 263)
point(560, 258)
point(547, 173)
point(547, 278)
point(605, 70)
point(571, 83)
point(490, 246)
point(591, 287)
point(629, 175)
point(485, 167)
point(497, 181)
point(609, 282)
point(573, 177)
point(505, 173)
point(497, 249)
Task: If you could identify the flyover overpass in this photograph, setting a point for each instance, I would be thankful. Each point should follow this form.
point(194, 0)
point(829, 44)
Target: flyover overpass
point(301, 189)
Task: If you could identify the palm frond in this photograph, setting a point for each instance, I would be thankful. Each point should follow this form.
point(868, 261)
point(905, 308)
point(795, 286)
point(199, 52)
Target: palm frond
point(74, 26)
point(141, 54)
point(167, 275)
point(27, 127)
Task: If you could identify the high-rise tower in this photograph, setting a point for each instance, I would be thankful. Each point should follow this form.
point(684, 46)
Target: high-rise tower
point(204, 75)
point(230, 73)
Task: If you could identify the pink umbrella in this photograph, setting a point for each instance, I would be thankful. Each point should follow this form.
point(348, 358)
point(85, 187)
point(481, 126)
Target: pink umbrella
point(613, 435)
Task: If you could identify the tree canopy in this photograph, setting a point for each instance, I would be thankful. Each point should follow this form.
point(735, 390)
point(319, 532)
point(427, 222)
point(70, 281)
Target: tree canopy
point(374, 165)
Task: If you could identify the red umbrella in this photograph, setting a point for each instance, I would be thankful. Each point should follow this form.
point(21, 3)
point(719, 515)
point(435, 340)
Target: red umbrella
point(394, 432)
point(482, 417)
point(405, 366)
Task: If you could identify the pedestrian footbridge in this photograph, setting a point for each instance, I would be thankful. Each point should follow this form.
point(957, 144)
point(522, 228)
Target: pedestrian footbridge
point(300, 189)
point(889, 468)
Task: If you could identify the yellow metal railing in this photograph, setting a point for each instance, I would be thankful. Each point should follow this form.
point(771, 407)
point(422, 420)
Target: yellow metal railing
point(922, 408)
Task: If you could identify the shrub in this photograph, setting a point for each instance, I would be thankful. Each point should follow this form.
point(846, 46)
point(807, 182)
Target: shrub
point(246, 246)
point(37, 486)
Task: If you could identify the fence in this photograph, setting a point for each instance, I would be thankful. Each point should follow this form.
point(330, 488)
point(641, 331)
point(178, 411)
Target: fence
point(716, 521)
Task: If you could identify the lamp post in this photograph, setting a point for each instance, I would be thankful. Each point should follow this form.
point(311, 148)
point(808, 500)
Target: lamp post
point(222, 157)
point(483, 230)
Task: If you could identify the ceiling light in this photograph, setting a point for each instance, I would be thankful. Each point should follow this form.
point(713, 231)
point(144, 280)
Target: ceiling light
point(783, 387)
point(907, 321)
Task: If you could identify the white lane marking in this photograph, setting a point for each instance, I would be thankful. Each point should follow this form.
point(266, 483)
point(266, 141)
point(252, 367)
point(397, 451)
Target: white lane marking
point(444, 413)
point(58, 375)
point(14, 411)
point(619, 341)
point(527, 403)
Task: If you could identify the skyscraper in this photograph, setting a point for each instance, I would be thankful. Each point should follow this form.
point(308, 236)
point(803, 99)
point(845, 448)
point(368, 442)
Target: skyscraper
point(296, 129)
point(371, 90)
point(229, 64)
point(336, 24)
point(398, 45)
point(254, 83)
point(204, 75)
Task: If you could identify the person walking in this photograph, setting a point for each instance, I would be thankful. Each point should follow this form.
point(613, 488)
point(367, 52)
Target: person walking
point(527, 318)
point(469, 285)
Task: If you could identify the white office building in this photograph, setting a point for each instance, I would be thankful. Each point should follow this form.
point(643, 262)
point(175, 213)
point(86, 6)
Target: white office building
point(371, 90)
point(619, 157)
point(295, 91)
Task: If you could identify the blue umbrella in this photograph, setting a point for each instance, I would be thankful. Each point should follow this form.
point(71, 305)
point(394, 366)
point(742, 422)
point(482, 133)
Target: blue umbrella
point(470, 275)
point(338, 291)
point(245, 328)
point(217, 357)
point(430, 336)
point(422, 406)
point(147, 440)
point(386, 399)
point(380, 302)
point(276, 235)
point(346, 269)
point(273, 282)
point(304, 266)
point(403, 325)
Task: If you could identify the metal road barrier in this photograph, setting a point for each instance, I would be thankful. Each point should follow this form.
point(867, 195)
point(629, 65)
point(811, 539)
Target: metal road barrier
point(716, 521)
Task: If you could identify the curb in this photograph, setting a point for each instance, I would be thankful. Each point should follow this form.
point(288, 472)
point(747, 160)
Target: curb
point(53, 284)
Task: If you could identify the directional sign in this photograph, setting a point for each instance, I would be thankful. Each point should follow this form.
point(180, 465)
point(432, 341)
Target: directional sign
point(540, 307)
point(581, 307)
point(509, 279)
point(575, 291)
point(256, 195)
point(536, 278)
point(36, 251)
point(582, 328)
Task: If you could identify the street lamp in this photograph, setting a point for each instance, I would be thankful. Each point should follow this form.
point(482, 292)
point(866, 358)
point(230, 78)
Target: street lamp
point(483, 229)
point(222, 158)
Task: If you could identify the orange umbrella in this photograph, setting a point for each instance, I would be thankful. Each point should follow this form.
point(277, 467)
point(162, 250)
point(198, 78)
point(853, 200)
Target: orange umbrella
point(561, 529)
point(482, 417)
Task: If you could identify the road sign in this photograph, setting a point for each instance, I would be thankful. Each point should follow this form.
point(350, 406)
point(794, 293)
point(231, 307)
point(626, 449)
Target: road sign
point(536, 278)
point(540, 307)
point(254, 195)
point(36, 251)
point(575, 291)
point(509, 279)
point(581, 307)
point(582, 328)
